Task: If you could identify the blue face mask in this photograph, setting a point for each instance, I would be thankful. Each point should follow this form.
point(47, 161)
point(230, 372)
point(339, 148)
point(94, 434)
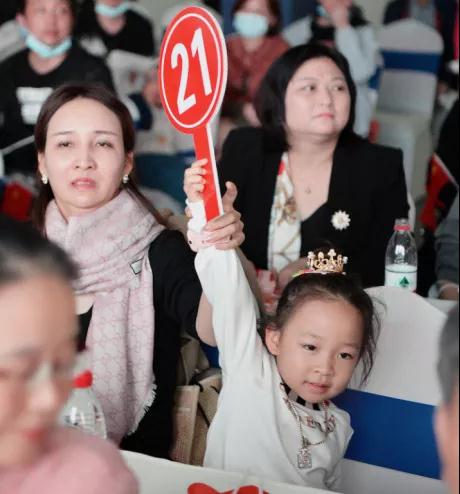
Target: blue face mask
point(322, 12)
point(251, 25)
point(23, 31)
point(112, 12)
point(47, 51)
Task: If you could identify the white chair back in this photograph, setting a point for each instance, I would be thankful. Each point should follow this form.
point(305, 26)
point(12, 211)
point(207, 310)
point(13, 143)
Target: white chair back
point(11, 40)
point(129, 70)
point(412, 54)
point(393, 448)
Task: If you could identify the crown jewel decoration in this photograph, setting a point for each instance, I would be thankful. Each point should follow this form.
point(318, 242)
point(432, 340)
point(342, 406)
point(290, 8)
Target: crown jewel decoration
point(324, 264)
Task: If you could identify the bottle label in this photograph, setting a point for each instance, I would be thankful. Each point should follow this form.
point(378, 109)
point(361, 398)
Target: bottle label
point(402, 276)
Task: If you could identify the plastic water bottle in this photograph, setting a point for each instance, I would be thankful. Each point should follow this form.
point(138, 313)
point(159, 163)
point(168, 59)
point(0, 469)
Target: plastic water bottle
point(401, 258)
point(83, 409)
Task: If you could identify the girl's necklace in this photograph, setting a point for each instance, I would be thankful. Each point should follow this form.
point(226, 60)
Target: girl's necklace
point(304, 457)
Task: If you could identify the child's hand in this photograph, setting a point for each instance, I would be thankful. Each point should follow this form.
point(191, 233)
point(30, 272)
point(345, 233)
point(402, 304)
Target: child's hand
point(194, 181)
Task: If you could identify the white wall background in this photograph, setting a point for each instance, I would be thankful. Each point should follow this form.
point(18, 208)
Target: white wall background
point(373, 8)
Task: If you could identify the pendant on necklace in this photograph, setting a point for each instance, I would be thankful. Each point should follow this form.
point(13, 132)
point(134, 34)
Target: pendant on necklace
point(304, 460)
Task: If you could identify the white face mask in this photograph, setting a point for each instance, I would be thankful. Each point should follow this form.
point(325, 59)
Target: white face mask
point(250, 25)
point(112, 12)
point(46, 51)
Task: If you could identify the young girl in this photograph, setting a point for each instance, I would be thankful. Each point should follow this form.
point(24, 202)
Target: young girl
point(275, 419)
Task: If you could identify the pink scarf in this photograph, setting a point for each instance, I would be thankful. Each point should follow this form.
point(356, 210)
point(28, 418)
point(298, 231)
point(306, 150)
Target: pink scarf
point(110, 247)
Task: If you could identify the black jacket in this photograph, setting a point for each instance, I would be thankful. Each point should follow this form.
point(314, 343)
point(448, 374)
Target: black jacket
point(367, 182)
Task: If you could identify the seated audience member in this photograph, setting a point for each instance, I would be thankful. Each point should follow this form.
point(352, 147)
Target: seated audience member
point(438, 14)
point(339, 23)
point(50, 59)
point(442, 187)
point(106, 25)
point(447, 415)
point(447, 255)
point(251, 50)
point(305, 179)
point(37, 354)
point(137, 288)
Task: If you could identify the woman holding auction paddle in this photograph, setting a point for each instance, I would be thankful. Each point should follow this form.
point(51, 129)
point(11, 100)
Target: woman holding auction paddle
point(137, 286)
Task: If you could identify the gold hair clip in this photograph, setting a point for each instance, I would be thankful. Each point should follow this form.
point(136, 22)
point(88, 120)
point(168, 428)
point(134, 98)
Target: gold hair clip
point(324, 264)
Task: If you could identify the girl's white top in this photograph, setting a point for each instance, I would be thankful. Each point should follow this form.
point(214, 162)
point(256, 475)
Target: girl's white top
point(254, 431)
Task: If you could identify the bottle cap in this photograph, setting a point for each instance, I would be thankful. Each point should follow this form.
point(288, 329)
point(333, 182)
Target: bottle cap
point(402, 225)
point(83, 380)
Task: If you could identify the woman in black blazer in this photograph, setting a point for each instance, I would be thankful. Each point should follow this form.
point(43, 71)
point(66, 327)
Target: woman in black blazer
point(304, 169)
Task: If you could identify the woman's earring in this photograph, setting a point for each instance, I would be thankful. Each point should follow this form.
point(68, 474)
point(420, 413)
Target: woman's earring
point(125, 179)
point(44, 180)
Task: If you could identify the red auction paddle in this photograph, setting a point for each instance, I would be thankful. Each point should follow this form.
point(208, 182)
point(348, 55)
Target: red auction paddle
point(192, 78)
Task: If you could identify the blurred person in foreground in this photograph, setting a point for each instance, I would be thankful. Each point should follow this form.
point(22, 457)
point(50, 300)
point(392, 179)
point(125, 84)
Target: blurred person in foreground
point(446, 421)
point(38, 331)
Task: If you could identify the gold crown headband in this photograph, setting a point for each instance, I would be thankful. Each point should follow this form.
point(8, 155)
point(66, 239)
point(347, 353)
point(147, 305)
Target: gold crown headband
point(322, 264)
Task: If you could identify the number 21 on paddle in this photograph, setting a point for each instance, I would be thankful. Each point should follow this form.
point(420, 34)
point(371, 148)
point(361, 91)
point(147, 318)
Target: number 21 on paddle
point(192, 77)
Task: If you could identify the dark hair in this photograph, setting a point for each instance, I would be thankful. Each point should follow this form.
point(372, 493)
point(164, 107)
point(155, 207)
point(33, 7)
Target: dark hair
point(309, 287)
point(22, 6)
point(448, 357)
point(270, 99)
point(59, 97)
point(275, 10)
point(24, 253)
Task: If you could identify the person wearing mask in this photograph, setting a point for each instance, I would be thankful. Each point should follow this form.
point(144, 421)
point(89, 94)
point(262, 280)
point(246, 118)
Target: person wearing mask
point(107, 25)
point(137, 288)
point(437, 14)
point(37, 356)
point(446, 420)
point(341, 24)
point(251, 50)
point(50, 59)
point(305, 179)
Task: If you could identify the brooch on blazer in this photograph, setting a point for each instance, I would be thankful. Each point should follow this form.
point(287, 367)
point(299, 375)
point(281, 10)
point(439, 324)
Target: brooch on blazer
point(341, 220)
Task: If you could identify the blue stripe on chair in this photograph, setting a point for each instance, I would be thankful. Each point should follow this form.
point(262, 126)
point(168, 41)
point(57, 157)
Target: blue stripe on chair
point(391, 433)
point(374, 81)
point(417, 62)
